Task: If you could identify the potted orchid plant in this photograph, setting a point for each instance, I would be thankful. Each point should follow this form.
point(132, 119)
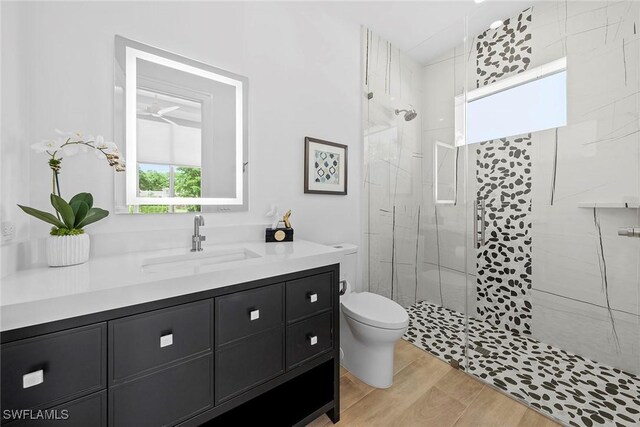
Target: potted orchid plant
point(68, 244)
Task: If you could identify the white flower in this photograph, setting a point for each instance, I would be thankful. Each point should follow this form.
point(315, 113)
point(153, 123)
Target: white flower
point(107, 147)
point(76, 136)
point(72, 149)
point(49, 145)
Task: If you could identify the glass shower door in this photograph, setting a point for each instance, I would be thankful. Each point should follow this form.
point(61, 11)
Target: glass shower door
point(557, 314)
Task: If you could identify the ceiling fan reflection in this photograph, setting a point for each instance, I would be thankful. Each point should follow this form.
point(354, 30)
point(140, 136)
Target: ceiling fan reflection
point(154, 110)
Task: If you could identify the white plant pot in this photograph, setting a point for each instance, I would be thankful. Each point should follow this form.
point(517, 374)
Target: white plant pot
point(67, 250)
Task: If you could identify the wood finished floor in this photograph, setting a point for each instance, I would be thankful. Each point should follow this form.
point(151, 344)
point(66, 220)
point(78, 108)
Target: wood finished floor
point(428, 393)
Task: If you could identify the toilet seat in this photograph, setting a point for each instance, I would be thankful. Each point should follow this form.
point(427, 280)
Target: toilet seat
point(374, 310)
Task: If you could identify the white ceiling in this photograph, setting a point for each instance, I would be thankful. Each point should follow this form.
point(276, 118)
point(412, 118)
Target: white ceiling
point(426, 29)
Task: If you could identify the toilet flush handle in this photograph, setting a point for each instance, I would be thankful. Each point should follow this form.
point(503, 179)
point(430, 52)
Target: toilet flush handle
point(343, 287)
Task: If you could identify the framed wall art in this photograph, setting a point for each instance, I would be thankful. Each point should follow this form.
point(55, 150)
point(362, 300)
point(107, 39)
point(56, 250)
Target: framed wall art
point(325, 167)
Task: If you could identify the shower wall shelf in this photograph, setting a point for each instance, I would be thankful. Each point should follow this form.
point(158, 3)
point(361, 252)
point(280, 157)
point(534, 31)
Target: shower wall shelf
point(610, 205)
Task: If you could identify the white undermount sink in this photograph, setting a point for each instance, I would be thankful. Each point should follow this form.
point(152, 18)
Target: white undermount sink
point(196, 259)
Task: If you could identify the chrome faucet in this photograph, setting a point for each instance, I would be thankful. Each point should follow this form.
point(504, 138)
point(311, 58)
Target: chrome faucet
point(197, 239)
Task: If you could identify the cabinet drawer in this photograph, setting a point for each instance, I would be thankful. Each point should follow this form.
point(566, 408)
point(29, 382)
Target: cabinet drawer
point(246, 364)
point(86, 411)
point(308, 296)
point(244, 313)
point(308, 338)
point(49, 369)
point(164, 398)
point(150, 340)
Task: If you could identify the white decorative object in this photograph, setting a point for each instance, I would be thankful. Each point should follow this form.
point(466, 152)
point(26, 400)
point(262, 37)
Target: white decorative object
point(274, 215)
point(68, 250)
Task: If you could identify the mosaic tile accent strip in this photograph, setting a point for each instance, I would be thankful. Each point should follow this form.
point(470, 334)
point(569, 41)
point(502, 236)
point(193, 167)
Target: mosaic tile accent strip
point(503, 176)
point(327, 167)
point(505, 50)
point(574, 390)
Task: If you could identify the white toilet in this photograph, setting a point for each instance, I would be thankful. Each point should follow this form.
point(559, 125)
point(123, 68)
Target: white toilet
point(370, 326)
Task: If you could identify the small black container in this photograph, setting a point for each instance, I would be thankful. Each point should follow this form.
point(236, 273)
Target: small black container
point(278, 235)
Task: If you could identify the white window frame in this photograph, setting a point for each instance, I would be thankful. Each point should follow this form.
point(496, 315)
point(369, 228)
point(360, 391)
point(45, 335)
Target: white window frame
point(542, 71)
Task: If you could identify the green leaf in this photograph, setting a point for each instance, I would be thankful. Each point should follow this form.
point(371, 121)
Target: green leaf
point(64, 209)
point(94, 214)
point(82, 197)
point(80, 210)
point(43, 216)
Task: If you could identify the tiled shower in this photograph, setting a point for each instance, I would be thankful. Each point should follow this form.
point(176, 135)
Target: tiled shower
point(547, 308)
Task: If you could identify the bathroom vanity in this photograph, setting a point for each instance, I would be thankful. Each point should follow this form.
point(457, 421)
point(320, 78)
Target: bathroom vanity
point(250, 340)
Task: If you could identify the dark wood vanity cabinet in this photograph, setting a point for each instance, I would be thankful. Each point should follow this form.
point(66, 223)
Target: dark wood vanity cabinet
point(239, 354)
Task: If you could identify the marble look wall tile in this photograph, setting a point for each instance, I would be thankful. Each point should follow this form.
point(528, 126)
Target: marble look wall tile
point(447, 287)
point(596, 159)
point(393, 165)
point(586, 330)
point(445, 237)
point(575, 304)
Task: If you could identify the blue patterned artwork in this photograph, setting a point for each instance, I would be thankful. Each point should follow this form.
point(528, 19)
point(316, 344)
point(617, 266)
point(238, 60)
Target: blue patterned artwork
point(327, 167)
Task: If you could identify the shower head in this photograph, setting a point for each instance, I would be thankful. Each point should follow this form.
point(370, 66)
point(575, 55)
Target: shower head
point(408, 114)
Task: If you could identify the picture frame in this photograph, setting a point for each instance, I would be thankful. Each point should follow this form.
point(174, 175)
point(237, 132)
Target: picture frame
point(325, 167)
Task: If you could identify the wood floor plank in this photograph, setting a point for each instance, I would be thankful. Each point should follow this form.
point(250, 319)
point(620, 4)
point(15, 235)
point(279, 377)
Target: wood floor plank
point(428, 392)
point(435, 408)
point(405, 353)
point(462, 386)
point(352, 390)
point(342, 370)
point(492, 409)
point(382, 406)
point(533, 419)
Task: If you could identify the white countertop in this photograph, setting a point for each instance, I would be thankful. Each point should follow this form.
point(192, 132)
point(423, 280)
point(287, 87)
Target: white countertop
point(44, 294)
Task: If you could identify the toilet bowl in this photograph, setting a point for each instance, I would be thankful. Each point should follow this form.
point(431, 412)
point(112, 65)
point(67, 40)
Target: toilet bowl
point(370, 326)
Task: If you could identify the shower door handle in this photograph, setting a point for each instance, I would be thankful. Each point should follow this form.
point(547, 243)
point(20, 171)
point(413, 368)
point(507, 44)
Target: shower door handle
point(483, 227)
point(629, 231)
point(479, 210)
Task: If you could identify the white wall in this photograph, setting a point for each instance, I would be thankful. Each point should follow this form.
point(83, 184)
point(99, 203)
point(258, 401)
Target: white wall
point(302, 63)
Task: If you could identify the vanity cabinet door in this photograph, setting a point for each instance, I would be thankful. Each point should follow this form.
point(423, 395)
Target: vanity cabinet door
point(150, 340)
point(163, 398)
point(241, 366)
point(46, 370)
point(308, 339)
point(246, 313)
point(308, 296)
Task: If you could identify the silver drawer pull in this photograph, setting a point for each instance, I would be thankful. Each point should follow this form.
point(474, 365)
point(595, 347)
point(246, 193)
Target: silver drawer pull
point(313, 340)
point(32, 379)
point(313, 297)
point(254, 314)
point(166, 340)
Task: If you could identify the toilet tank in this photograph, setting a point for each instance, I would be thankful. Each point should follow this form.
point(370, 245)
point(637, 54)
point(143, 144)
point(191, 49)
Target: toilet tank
point(349, 263)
